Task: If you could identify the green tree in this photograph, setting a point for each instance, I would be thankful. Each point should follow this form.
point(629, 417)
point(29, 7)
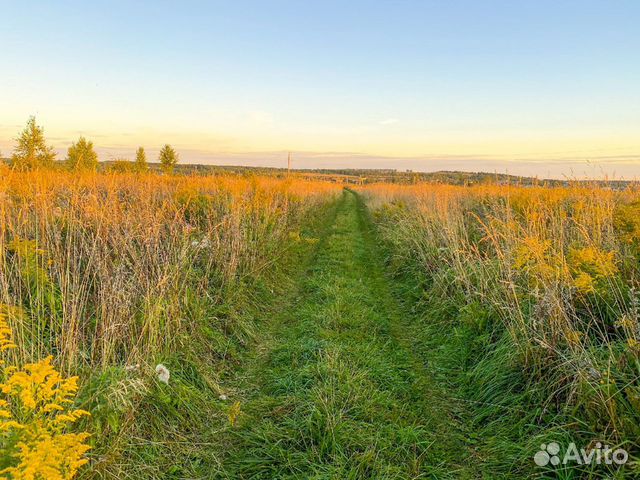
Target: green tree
point(122, 165)
point(168, 159)
point(32, 150)
point(141, 160)
point(82, 156)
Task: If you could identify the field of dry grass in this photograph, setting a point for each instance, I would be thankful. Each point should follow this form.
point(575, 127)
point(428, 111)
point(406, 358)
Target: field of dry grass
point(112, 274)
point(537, 289)
point(157, 326)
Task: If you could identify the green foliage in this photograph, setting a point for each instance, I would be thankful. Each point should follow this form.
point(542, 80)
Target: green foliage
point(82, 156)
point(168, 158)
point(32, 151)
point(122, 165)
point(141, 160)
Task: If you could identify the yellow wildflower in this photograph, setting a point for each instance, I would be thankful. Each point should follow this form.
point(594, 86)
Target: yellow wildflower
point(234, 413)
point(634, 345)
point(626, 322)
point(39, 386)
point(6, 341)
point(534, 256)
point(54, 457)
point(589, 266)
point(584, 283)
point(532, 251)
point(31, 410)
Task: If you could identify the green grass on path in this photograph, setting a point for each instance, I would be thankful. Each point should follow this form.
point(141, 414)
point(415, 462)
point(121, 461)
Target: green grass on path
point(335, 390)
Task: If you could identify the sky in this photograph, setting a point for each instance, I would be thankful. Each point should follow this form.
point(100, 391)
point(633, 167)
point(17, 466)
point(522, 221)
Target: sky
point(546, 88)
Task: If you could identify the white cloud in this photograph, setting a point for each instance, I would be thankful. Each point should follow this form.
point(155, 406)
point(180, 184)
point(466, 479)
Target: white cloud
point(388, 121)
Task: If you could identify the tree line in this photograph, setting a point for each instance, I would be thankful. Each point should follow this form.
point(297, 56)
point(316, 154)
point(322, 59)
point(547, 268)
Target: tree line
point(32, 152)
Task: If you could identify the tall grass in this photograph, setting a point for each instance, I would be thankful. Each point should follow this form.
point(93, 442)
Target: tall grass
point(113, 273)
point(95, 268)
point(544, 283)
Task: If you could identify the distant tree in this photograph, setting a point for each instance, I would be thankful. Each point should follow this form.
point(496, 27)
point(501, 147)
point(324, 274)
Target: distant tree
point(32, 150)
point(82, 156)
point(122, 165)
point(141, 160)
point(168, 158)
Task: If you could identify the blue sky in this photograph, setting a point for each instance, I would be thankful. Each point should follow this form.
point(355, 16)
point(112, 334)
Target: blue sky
point(528, 87)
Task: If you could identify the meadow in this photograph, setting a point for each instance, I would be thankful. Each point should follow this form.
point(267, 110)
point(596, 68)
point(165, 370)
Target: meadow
point(529, 295)
point(113, 274)
point(238, 326)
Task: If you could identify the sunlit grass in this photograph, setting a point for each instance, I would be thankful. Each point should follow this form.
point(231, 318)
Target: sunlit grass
point(112, 274)
point(541, 282)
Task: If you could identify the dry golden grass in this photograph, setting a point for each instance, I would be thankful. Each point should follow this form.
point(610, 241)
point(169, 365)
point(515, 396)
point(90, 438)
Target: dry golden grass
point(95, 268)
point(105, 274)
point(557, 266)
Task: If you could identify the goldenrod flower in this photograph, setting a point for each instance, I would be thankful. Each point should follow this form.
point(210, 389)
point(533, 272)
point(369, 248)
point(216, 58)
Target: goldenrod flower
point(39, 386)
point(32, 410)
point(590, 265)
point(6, 341)
point(51, 457)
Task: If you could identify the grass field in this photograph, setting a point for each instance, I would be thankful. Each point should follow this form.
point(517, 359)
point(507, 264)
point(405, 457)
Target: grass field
point(530, 298)
point(252, 327)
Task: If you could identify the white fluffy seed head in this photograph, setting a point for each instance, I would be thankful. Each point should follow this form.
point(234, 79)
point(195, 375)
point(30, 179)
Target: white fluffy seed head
point(163, 373)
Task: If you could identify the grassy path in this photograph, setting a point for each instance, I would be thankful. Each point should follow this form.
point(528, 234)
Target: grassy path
point(338, 392)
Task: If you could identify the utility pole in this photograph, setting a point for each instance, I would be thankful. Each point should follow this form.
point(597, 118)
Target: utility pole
point(289, 164)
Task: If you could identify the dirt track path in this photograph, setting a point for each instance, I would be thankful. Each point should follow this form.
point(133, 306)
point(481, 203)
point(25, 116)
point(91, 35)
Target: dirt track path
point(338, 391)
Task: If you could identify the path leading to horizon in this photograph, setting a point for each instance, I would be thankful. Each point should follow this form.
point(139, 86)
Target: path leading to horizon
point(337, 392)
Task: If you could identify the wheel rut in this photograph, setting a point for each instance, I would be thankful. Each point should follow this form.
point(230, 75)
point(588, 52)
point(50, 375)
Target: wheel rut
point(338, 391)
